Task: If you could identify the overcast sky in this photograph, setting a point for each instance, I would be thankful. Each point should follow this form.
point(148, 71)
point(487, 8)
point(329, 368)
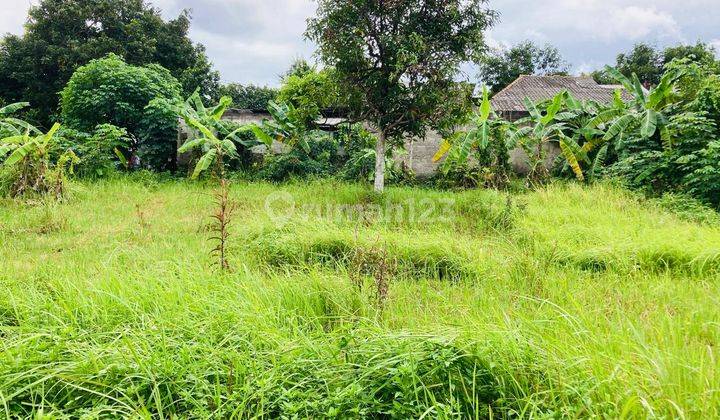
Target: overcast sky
point(253, 41)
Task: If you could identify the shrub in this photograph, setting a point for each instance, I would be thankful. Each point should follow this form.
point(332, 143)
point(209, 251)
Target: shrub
point(320, 160)
point(101, 152)
point(688, 208)
point(357, 144)
point(109, 91)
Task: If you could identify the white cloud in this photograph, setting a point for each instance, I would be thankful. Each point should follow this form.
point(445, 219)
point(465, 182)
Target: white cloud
point(605, 21)
point(716, 43)
point(255, 40)
point(635, 23)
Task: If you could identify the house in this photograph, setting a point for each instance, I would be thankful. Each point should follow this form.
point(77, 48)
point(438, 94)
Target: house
point(509, 102)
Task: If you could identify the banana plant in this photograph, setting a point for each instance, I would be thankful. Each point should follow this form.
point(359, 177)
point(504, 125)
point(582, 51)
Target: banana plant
point(25, 146)
point(285, 127)
point(31, 156)
point(645, 115)
point(540, 128)
point(578, 137)
point(15, 126)
point(478, 137)
point(646, 112)
point(214, 149)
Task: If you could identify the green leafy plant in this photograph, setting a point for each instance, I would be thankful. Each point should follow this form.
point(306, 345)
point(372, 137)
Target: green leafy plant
point(533, 133)
point(286, 126)
point(321, 160)
point(486, 142)
point(647, 111)
point(215, 151)
point(102, 152)
point(11, 126)
point(310, 94)
point(138, 99)
point(33, 169)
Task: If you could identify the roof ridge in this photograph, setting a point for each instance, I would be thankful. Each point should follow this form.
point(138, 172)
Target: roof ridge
point(522, 76)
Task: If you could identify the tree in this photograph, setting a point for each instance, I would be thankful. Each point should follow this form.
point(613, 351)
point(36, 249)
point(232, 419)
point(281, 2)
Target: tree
point(502, 67)
point(311, 93)
point(650, 64)
point(300, 67)
point(249, 96)
point(62, 35)
point(700, 53)
point(645, 61)
point(397, 61)
point(111, 91)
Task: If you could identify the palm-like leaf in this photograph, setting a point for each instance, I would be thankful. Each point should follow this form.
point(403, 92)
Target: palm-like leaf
point(598, 162)
point(649, 123)
point(205, 162)
point(618, 126)
point(572, 152)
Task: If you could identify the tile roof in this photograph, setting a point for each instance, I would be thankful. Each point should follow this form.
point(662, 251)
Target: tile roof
point(540, 88)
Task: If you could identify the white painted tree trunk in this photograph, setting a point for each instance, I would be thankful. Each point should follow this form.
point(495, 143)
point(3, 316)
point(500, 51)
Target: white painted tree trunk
point(380, 163)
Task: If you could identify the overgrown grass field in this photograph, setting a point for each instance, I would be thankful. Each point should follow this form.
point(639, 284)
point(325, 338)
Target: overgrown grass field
point(568, 301)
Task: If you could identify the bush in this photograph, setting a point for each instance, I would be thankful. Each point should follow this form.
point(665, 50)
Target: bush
point(109, 91)
point(688, 208)
point(357, 144)
point(245, 157)
point(101, 152)
point(322, 160)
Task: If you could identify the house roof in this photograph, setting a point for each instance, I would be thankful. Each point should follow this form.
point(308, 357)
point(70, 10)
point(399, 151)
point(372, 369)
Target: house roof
point(541, 88)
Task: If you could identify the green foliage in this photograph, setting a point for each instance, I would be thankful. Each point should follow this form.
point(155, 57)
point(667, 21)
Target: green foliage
point(502, 67)
point(101, 152)
point(643, 60)
point(358, 144)
point(156, 140)
point(536, 131)
point(62, 35)
point(110, 91)
point(486, 140)
point(299, 68)
point(310, 94)
point(31, 166)
point(13, 126)
point(287, 126)
point(320, 159)
point(649, 63)
point(249, 96)
point(204, 121)
point(402, 79)
point(663, 140)
point(688, 208)
point(701, 54)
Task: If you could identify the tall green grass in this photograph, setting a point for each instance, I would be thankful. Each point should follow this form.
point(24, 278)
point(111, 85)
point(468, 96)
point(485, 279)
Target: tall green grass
point(568, 301)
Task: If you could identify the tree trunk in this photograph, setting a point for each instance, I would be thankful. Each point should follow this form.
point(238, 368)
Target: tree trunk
point(380, 163)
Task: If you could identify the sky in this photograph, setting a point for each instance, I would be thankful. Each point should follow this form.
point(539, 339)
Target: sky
point(254, 41)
